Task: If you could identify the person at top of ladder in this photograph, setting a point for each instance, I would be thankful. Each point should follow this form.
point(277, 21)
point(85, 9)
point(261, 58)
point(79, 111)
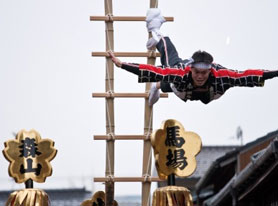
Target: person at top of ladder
point(196, 78)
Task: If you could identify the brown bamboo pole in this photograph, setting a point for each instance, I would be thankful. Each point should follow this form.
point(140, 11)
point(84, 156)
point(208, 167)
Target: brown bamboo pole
point(123, 18)
point(148, 124)
point(124, 95)
point(128, 54)
point(127, 179)
point(120, 137)
point(110, 122)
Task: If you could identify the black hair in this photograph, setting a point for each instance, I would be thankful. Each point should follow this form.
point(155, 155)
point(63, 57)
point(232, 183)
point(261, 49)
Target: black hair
point(202, 56)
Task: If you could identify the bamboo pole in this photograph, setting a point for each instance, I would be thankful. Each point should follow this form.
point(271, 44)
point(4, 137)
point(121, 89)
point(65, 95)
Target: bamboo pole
point(128, 54)
point(109, 86)
point(124, 95)
point(123, 18)
point(147, 155)
point(127, 179)
point(121, 137)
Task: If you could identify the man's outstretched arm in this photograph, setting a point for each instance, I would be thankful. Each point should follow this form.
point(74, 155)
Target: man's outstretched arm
point(249, 78)
point(270, 74)
point(150, 73)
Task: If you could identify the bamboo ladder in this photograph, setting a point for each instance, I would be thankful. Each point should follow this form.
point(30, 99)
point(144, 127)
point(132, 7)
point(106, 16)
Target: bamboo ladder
point(109, 96)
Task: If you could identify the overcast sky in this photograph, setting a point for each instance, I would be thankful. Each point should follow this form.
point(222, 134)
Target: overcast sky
point(48, 75)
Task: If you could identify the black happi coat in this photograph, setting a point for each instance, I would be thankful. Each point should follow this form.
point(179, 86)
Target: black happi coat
point(177, 73)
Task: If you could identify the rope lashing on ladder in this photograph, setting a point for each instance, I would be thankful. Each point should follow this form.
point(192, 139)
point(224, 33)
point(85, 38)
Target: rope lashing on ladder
point(110, 94)
point(147, 136)
point(147, 178)
point(110, 178)
point(110, 17)
point(151, 54)
point(111, 137)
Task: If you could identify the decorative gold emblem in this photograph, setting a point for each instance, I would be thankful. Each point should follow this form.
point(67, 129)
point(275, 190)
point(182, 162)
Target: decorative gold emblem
point(98, 199)
point(29, 156)
point(172, 195)
point(175, 149)
point(28, 197)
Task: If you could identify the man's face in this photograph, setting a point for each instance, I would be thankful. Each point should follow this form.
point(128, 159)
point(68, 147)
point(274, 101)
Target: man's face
point(199, 76)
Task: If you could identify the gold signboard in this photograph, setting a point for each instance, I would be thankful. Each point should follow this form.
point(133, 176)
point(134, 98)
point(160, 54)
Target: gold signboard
point(98, 199)
point(175, 149)
point(29, 156)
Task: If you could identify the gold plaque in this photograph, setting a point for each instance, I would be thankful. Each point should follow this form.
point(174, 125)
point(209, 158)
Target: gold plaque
point(98, 199)
point(175, 149)
point(29, 156)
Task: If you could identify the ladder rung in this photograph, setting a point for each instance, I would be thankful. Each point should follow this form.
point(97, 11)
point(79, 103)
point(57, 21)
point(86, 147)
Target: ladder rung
point(127, 54)
point(127, 179)
point(123, 18)
point(121, 137)
point(125, 95)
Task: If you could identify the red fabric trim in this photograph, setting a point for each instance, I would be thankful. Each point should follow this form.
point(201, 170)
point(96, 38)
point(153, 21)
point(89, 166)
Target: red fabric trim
point(165, 71)
point(235, 74)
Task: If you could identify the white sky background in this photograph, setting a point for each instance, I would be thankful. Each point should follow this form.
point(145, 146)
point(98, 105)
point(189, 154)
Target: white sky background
point(48, 75)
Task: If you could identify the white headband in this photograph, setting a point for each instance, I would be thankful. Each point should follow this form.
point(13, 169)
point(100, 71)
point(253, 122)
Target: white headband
point(201, 65)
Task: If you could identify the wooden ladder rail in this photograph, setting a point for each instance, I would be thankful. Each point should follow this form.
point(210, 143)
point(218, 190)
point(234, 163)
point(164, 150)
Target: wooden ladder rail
point(148, 126)
point(109, 100)
point(110, 120)
point(110, 18)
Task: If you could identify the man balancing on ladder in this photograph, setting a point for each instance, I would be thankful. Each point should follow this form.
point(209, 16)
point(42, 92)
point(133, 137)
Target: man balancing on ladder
point(196, 78)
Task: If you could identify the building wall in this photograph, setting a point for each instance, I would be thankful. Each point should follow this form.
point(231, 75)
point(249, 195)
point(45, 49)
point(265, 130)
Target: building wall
point(245, 156)
point(207, 155)
point(204, 159)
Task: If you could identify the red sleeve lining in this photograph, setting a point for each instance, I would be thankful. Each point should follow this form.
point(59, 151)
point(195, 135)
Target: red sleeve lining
point(165, 71)
point(235, 74)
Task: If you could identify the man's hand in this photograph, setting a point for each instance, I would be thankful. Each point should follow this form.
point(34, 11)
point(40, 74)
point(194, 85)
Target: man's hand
point(115, 60)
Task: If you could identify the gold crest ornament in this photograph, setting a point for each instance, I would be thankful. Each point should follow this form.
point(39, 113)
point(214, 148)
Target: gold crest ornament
point(29, 156)
point(28, 197)
point(172, 196)
point(175, 149)
point(98, 199)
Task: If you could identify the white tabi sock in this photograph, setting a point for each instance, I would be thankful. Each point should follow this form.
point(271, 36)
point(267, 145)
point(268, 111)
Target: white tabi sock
point(154, 94)
point(153, 41)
